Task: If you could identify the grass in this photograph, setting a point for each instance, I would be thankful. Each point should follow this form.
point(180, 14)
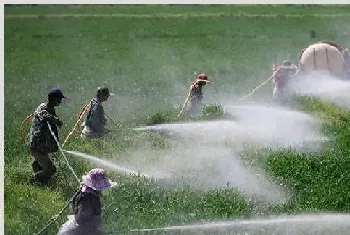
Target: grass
point(178, 9)
point(149, 62)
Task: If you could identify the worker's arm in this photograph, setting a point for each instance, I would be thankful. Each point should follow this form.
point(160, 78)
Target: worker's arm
point(44, 115)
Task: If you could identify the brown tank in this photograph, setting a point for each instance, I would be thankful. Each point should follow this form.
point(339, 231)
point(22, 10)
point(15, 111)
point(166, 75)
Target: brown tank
point(323, 56)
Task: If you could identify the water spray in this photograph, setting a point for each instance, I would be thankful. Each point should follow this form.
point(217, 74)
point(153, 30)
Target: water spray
point(333, 222)
point(114, 166)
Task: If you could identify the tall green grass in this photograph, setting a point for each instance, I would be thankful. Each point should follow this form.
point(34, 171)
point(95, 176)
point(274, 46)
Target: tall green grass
point(149, 63)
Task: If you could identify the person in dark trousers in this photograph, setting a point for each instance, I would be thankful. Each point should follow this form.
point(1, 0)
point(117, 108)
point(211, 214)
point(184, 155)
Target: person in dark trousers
point(95, 122)
point(40, 140)
point(193, 102)
point(86, 205)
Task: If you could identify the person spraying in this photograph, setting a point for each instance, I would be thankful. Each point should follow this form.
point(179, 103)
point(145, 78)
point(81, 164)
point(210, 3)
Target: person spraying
point(86, 205)
point(193, 102)
point(95, 122)
point(40, 140)
point(282, 76)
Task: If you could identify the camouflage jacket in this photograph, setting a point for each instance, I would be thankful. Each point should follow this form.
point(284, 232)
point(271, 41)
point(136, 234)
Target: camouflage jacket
point(95, 118)
point(40, 138)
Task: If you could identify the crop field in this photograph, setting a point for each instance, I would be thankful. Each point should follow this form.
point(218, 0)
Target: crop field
point(147, 56)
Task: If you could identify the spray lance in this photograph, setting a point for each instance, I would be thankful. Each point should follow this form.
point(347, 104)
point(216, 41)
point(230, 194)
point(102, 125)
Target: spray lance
point(114, 123)
point(274, 67)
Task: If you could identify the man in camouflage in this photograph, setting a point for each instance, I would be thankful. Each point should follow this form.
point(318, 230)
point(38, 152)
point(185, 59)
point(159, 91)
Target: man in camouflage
point(95, 122)
point(40, 140)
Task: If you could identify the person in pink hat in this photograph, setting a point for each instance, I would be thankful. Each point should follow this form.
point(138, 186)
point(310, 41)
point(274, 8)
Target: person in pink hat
point(87, 218)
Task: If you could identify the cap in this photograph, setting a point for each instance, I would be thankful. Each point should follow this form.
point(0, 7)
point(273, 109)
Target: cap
point(105, 91)
point(56, 92)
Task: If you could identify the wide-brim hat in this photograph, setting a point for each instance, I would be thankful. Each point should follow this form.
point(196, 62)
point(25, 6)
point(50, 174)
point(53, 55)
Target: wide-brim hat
point(201, 80)
point(97, 180)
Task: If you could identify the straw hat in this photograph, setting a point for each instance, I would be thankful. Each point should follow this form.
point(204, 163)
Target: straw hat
point(97, 180)
point(202, 77)
point(286, 64)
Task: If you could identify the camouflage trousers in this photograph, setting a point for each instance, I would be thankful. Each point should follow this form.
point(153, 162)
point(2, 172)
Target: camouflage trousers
point(43, 167)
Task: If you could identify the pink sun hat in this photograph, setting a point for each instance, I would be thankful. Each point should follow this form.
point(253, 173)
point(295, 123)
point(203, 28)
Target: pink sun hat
point(97, 180)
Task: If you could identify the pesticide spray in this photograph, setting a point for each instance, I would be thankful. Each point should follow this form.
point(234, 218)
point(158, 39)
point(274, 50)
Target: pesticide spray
point(114, 166)
point(305, 224)
point(323, 86)
point(255, 125)
point(207, 154)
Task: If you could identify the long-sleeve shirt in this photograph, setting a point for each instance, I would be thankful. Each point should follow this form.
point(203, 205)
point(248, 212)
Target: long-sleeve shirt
point(40, 138)
point(95, 118)
point(281, 78)
point(87, 209)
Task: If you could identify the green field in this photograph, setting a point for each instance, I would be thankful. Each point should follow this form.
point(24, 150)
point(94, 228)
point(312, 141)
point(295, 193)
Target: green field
point(147, 55)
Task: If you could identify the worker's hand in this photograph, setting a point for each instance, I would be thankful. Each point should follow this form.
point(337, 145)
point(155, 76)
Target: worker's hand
point(273, 67)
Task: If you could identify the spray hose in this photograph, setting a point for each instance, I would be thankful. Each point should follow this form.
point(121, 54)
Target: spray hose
point(256, 88)
point(24, 121)
point(61, 150)
point(80, 116)
point(55, 217)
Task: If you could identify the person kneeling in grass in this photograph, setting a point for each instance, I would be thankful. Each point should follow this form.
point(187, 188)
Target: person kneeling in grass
point(87, 218)
point(95, 122)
